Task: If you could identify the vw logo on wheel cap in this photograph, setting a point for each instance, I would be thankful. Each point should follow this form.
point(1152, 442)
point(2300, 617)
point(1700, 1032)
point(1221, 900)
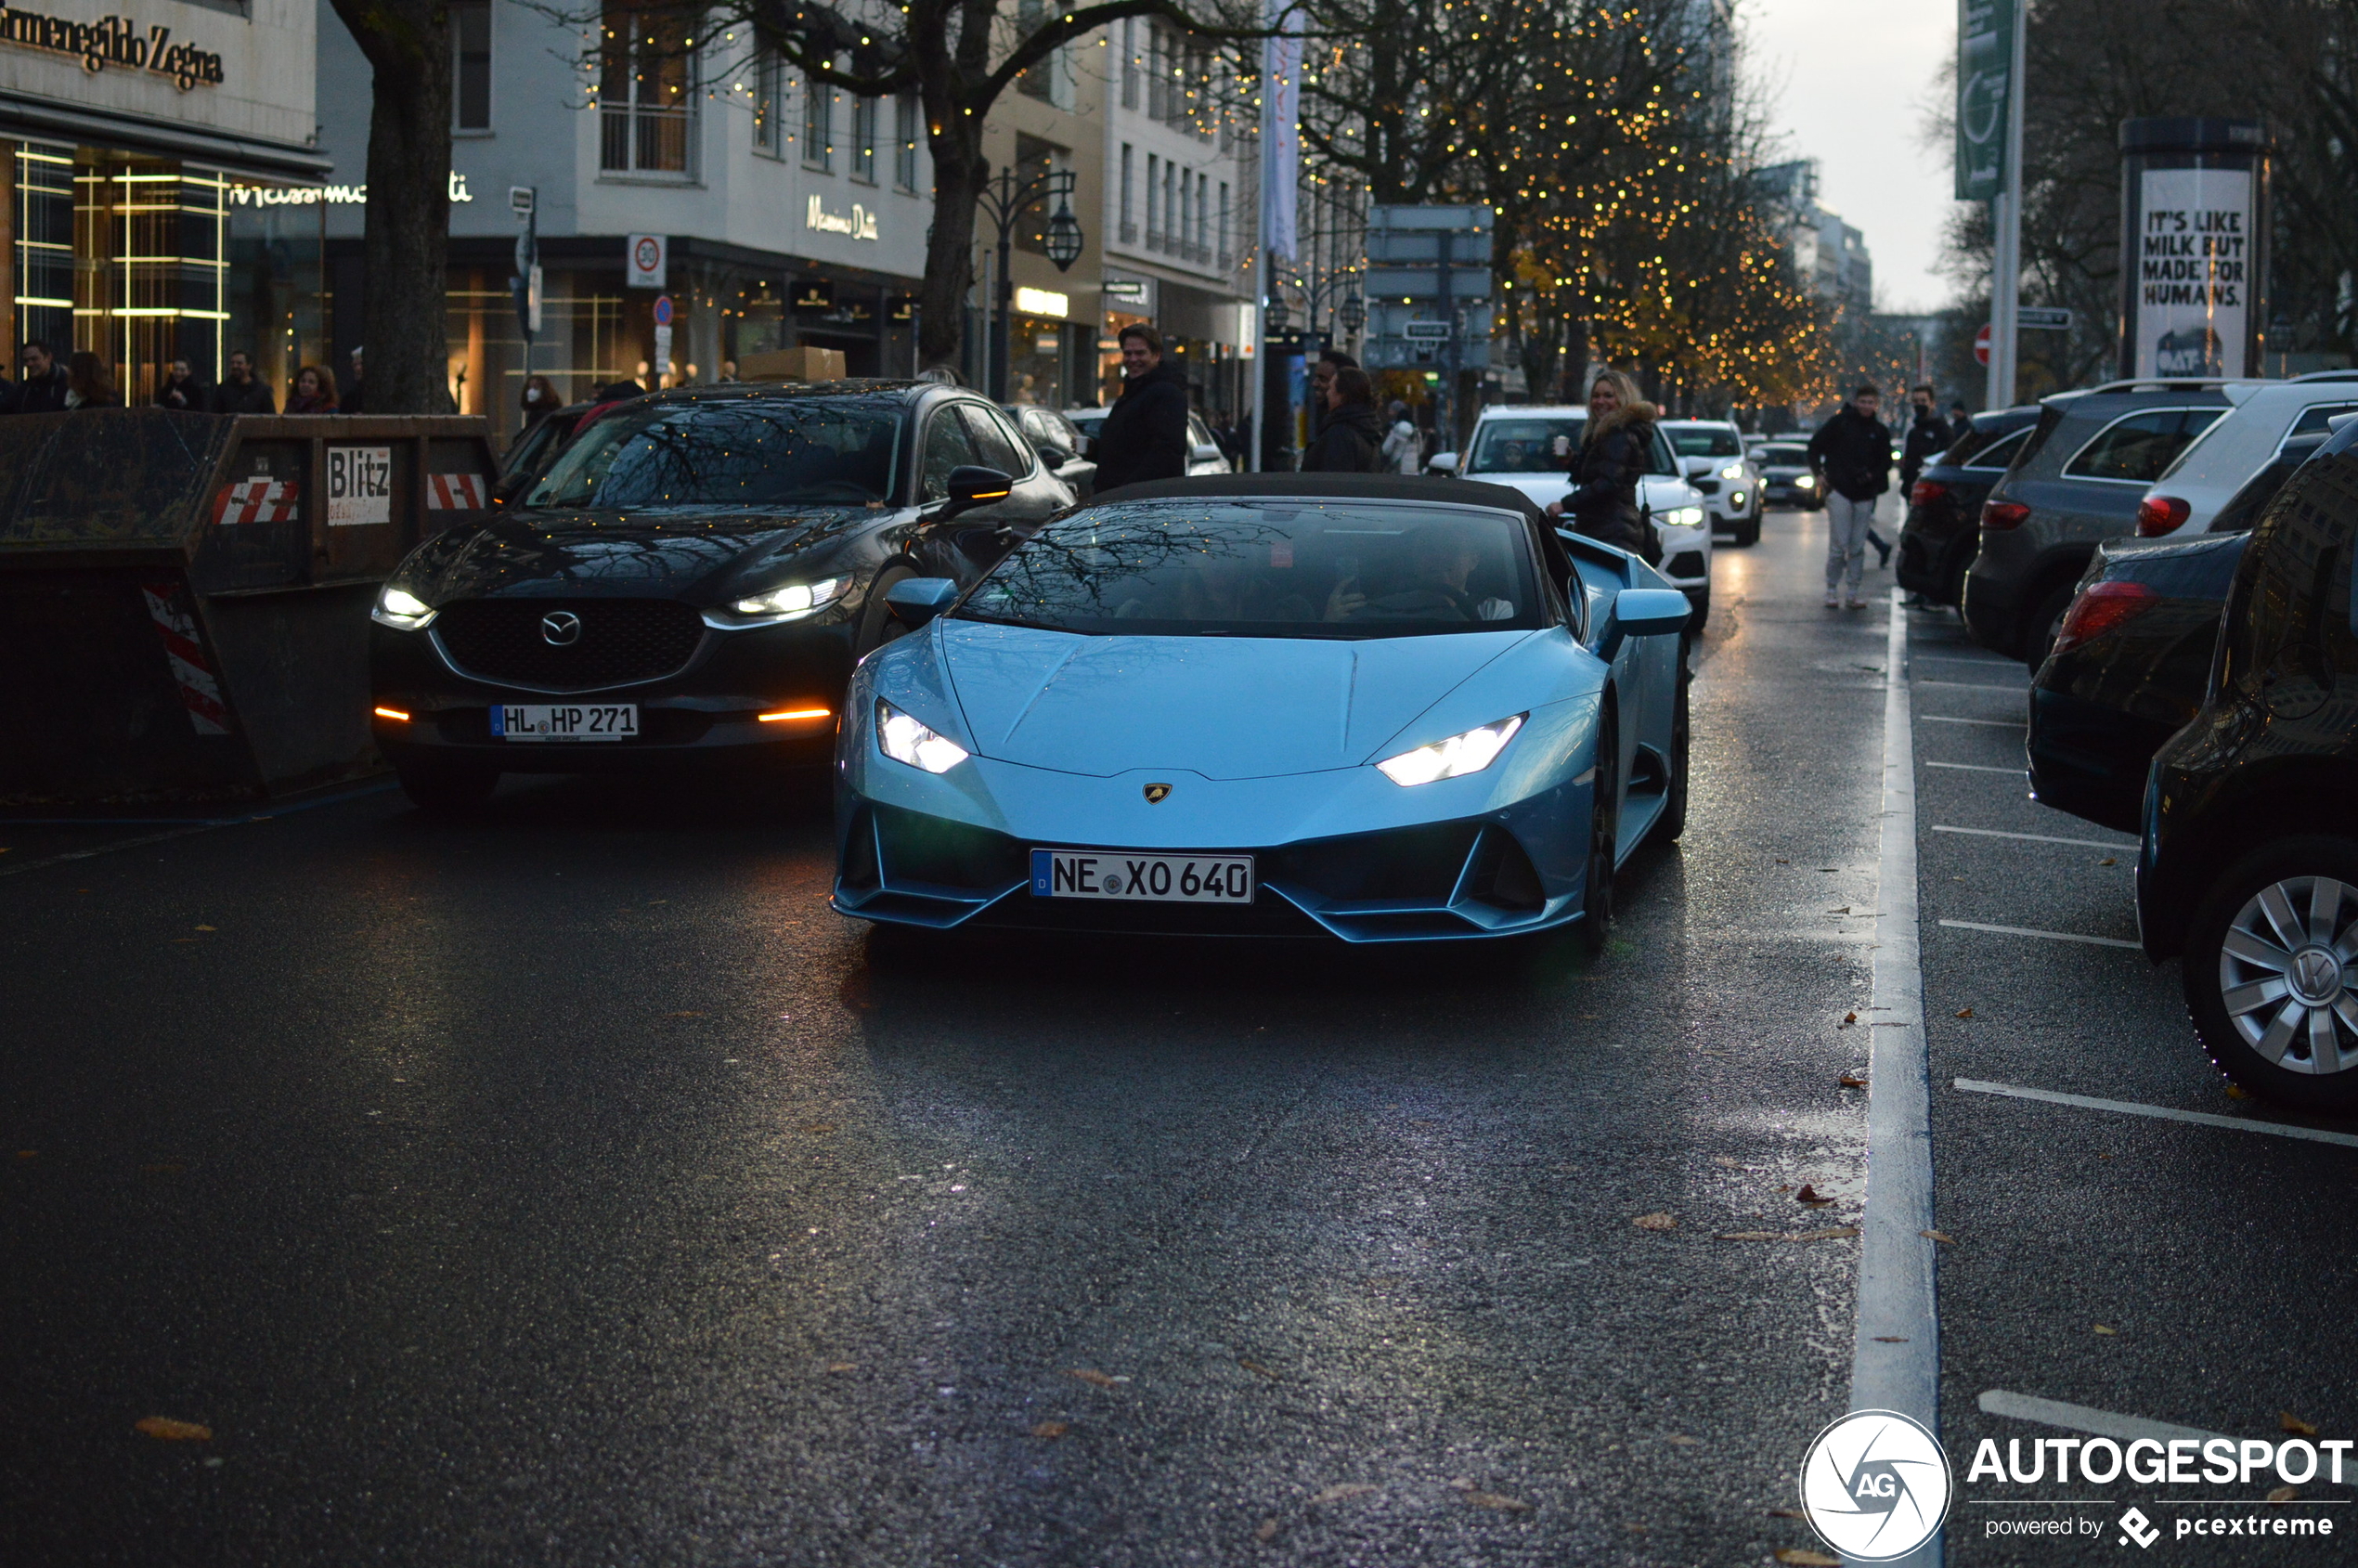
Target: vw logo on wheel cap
point(560, 628)
point(1156, 794)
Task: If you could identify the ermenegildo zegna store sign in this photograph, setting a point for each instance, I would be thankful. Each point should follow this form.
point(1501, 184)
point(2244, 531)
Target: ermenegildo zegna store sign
point(111, 41)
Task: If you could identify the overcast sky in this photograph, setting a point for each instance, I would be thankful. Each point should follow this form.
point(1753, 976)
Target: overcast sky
point(1848, 82)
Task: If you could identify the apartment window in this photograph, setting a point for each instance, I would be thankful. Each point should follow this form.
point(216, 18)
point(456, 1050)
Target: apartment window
point(818, 125)
point(1224, 262)
point(1157, 79)
point(1203, 218)
point(1154, 227)
point(1129, 196)
point(769, 104)
point(863, 140)
point(907, 127)
point(1179, 230)
point(1130, 62)
point(1170, 189)
point(470, 65)
point(646, 94)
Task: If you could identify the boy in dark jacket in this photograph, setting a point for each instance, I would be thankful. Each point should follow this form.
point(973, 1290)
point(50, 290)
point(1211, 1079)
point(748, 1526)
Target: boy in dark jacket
point(1146, 432)
point(1928, 436)
point(1350, 438)
point(1851, 453)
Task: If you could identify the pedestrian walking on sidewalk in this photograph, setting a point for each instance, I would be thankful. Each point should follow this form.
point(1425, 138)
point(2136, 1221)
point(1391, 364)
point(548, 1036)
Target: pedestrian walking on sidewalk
point(1851, 455)
point(1403, 448)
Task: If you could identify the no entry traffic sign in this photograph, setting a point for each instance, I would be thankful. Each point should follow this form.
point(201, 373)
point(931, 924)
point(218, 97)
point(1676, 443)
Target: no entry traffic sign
point(1981, 346)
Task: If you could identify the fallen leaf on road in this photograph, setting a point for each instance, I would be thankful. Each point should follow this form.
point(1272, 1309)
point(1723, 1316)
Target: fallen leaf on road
point(687, 1015)
point(1731, 1164)
point(1269, 1528)
point(1965, 1012)
point(208, 928)
point(2284, 1494)
point(1786, 1513)
point(1848, 1019)
point(171, 1430)
point(1494, 1500)
point(1810, 1195)
point(1891, 1339)
point(843, 1366)
point(1338, 1492)
point(1802, 1557)
point(1850, 1081)
point(1257, 1366)
point(1050, 1429)
point(820, 1127)
point(2109, 861)
point(1683, 1441)
point(1833, 1233)
point(28, 1154)
point(2101, 1330)
point(1843, 910)
point(1094, 1379)
point(1655, 1222)
point(1940, 1236)
point(2295, 1425)
point(2237, 1092)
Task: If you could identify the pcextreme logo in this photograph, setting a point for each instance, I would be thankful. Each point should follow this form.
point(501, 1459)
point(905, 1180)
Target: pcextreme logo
point(1875, 1485)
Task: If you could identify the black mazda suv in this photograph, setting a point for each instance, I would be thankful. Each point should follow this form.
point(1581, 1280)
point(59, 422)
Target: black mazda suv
point(693, 579)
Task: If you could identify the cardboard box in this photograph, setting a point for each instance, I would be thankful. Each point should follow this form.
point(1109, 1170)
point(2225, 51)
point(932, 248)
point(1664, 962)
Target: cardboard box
point(792, 365)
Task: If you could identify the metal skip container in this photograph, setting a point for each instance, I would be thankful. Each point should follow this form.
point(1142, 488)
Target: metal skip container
point(184, 598)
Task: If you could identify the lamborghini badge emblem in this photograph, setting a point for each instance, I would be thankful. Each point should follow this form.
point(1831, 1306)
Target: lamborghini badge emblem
point(1156, 794)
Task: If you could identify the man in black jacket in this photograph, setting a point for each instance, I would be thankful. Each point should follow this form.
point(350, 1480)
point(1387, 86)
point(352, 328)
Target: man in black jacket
point(1928, 436)
point(241, 392)
point(1146, 432)
point(1851, 453)
point(43, 390)
point(1349, 437)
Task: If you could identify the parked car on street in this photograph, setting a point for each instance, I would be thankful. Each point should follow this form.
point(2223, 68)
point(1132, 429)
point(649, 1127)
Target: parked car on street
point(1069, 455)
point(1943, 526)
point(1204, 455)
point(1371, 707)
point(2265, 417)
point(2077, 481)
point(2128, 667)
point(1785, 476)
point(694, 578)
point(1712, 456)
point(1529, 448)
point(2248, 870)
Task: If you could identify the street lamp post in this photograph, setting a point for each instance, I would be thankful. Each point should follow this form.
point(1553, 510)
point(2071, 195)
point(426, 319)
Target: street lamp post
point(1007, 199)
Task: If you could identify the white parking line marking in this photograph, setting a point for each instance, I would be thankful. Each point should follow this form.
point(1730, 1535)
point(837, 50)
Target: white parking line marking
point(2051, 936)
point(2040, 837)
point(1986, 724)
point(1895, 1362)
point(1974, 768)
point(2129, 1107)
point(1977, 664)
point(1974, 686)
point(2082, 1417)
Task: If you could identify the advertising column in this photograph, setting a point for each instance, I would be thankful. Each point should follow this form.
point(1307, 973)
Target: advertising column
point(2193, 246)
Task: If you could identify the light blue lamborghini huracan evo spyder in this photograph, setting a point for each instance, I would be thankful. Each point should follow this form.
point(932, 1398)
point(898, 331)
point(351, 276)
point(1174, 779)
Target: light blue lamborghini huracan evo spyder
point(1378, 709)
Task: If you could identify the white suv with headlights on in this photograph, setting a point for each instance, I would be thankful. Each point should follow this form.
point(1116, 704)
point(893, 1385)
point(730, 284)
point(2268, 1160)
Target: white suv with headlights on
point(1531, 450)
point(1712, 452)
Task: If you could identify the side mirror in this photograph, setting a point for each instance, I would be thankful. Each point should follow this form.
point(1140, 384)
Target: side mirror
point(915, 601)
point(1645, 611)
point(1052, 454)
point(1206, 452)
point(971, 485)
point(1442, 462)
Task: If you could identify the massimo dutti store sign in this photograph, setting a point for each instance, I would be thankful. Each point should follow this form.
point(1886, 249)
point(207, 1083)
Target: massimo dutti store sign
point(112, 41)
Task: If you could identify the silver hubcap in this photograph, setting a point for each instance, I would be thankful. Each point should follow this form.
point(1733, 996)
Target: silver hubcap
point(2284, 973)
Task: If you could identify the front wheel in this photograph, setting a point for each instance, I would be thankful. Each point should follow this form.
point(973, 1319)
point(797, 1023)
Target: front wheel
point(2271, 973)
point(1674, 800)
point(2046, 620)
point(1604, 812)
point(1748, 531)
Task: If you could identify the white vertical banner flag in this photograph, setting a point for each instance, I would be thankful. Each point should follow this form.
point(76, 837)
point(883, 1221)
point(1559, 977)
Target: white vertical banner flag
point(1281, 131)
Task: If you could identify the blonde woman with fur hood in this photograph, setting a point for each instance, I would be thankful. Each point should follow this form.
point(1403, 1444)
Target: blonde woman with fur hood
point(1615, 452)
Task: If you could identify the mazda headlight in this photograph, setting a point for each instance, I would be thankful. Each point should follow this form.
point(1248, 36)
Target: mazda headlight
point(1805, 482)
point(1455, 758)
point(1733, 471)
point(402, 609)
point(795, 600)
point(904, 739)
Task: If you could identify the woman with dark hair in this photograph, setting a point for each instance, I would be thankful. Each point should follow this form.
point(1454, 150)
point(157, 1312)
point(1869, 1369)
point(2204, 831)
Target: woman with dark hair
point(1614, 453)
point(315, 391)
point(540, 399)
point(1349, 437)
point(90, 383)
point(181, 390)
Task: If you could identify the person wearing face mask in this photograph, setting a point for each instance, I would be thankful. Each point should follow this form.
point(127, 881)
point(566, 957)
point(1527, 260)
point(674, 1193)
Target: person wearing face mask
point(1928, 436)
point(1612, 457)
point(540, 400)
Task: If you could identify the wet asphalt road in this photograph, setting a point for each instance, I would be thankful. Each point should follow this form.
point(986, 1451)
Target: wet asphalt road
point(572, 1187)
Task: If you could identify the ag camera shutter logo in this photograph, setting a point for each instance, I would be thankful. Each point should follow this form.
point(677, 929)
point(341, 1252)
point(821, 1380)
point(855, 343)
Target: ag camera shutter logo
point(1875, 1485)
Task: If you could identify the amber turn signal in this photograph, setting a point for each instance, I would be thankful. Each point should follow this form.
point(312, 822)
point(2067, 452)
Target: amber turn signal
point(392, 713)
point(787, 715)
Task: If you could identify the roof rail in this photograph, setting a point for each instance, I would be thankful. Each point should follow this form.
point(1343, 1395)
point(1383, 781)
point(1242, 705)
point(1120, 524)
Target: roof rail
point(2328, 376)
point(2171, 383)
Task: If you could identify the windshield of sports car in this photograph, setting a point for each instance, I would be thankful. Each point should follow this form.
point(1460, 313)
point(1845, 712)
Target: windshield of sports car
point(1275, 567)
point(1531, 446)
point(757, 453)
point(1706, 441)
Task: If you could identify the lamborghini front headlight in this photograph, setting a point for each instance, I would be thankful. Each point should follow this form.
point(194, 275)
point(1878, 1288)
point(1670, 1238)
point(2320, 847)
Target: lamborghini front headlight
point(1469, 752)
point(904, 739)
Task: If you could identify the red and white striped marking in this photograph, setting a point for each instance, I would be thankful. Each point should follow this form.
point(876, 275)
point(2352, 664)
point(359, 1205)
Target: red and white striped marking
point(199, 693)
point(454, 492)
point(256, 500)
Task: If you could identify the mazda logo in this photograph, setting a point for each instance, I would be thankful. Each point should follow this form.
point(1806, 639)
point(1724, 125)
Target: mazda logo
point(560, 629)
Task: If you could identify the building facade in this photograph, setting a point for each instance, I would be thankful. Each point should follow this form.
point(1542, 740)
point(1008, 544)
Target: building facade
point(160, 184)
point(790, 215)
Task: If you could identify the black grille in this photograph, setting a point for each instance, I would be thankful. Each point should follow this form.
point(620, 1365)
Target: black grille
point(1686, 563)
point(622, 641)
